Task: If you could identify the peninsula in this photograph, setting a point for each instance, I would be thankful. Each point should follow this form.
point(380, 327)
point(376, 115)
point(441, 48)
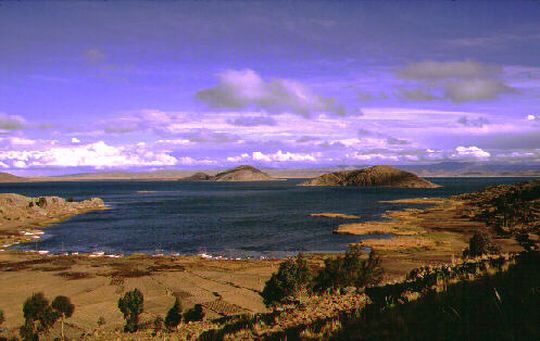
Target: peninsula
point(240, 173)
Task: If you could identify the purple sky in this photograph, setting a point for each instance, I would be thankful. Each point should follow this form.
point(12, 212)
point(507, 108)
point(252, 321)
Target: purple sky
point(203, 85)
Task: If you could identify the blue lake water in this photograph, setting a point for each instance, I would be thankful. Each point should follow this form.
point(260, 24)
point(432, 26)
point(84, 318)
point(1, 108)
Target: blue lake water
point(230, 219)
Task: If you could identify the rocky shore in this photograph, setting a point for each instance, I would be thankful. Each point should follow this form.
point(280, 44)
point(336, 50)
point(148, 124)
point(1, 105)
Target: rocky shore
point(21, 217)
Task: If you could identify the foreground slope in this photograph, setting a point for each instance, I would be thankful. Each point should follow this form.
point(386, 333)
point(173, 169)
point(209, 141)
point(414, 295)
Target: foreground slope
point(382, 176)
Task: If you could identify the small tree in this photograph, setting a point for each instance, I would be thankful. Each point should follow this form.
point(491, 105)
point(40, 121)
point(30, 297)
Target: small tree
point(101, 321)
point(64, 308)
point(292, 277)
point(39, 317)
point(174, 315)
point(194, 314)
point(131, 305)
point(481, 244)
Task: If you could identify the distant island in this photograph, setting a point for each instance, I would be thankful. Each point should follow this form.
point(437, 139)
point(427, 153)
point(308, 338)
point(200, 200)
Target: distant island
point(240, 173)
point(376, 176)
point(6, 177)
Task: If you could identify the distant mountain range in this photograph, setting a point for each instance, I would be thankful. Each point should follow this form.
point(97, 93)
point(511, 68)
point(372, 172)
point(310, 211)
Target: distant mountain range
point(443, 169)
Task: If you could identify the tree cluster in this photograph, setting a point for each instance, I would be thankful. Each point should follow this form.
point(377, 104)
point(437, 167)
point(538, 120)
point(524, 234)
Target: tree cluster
point(295, 276)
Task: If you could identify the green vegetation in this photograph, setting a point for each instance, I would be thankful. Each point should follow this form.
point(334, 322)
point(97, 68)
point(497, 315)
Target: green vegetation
point(349, 271)
point(503, 306)
point(158, 325)
point(194, 314)
point(2, 317)
point(174, 315)
point(481, 244)
point(39, 317)
point(63, 306)
point(511, 210)
point(131, 305)
point(292, 277)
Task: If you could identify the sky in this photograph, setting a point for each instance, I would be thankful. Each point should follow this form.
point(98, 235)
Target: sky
point(102, 86)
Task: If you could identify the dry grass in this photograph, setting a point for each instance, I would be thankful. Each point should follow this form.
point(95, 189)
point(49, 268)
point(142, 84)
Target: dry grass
point(334, 215)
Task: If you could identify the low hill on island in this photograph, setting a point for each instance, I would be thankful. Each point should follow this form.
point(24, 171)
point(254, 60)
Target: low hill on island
point(376, 176)
point(6, 177)
point(240, 173)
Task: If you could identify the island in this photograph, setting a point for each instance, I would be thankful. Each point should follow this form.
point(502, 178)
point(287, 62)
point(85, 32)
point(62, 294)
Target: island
point(240, 173)
point(376, 176)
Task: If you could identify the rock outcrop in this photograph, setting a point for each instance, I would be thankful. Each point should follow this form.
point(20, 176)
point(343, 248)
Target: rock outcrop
point(18, 212)
point(377, 176)
point(240, 173)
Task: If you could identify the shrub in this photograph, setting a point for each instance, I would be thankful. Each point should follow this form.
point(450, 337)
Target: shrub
point(2, 317)
point(131, 305)
point(63, 306)
point(350, 271)
point(194, 314)
point(174, 315)
point(292, 277)
point(158, 325)
point(101, 321)
point(39, 317)
point(480, 244)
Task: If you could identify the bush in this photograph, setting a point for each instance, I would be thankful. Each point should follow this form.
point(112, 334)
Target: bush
point(39, 317)
point(480, 244)
point(131, 305)
point(292, 277)
point(194, 314)
point(174, 315)
point(2, 317)
point(158, 325)
point(63, 306)
point(101, 321)
point(350, 271)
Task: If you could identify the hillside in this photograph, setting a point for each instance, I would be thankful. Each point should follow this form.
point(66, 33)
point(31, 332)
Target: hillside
point(240, 173)
point(377, 176)
point(6, 177)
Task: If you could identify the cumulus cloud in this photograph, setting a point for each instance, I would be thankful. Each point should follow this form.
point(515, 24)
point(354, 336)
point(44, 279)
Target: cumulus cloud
point(418, 95)
point(253, 121)
point(396, 141)
point(475, 90)
point(471, 152)
point(97, 155)
point(142, 120)
point(463, 81)
point(11, 122)
point(278, 156)
point(478, 122)
point(431, 70)
point(239, 89)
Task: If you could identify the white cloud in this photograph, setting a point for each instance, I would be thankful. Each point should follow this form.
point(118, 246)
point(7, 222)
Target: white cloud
point(98, 155)
point(531, 117)
point(474, 152)
point(75, 140)
point(238, 89)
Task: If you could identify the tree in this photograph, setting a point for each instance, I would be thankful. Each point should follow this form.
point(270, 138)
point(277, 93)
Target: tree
point(292, 277)
point(194, 314)
point(131, 305)
point(64, 307)
point(349, 271)
point(39, 317)
point(480, 244)
point(174, 315)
